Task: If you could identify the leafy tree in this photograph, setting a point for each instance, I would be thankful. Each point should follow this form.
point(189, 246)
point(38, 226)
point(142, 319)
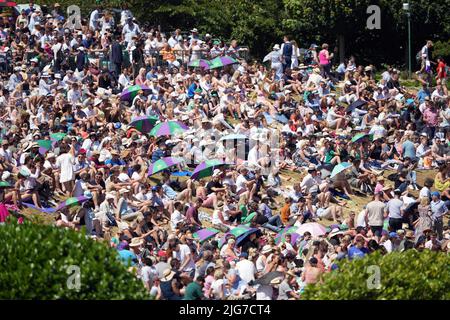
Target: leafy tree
point(403, 275)
point(36, 264)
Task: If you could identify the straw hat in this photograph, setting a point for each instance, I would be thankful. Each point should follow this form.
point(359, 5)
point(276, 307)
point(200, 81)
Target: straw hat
point(136, 242)
point(167, 275)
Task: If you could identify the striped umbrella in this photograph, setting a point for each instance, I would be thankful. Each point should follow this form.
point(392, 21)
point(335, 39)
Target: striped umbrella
point(290, 230)
point(72, 202)
point(58, 136)
point(200, 63)
point(163, 164)
point(359, 136)
point(44, 146)
point(168, 128)
point(128, 94)
point(220, 62)
point(205, 234)
point(144, 124)
point(206, 168)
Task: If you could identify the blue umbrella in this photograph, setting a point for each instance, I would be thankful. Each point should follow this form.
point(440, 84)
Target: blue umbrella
point(339, 168)
point(240, 240)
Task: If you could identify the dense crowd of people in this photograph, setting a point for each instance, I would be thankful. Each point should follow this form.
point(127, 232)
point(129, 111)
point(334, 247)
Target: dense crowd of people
point(261, 224)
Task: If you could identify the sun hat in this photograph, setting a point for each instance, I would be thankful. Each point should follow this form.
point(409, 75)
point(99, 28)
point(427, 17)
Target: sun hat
point(276, 47)
point(167, 275)
point(50, 155)
point(24, 173)
point(216, 172)
point(109, 196)
point(123, 190)
point(136, 242)
point(275, 281)
point(266, 249)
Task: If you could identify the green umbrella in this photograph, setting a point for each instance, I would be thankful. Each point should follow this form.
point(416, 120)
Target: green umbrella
point(359, 136)
point(144, 124)
point(58, 136)
point(206, 169)
point(168, 128)
point(44, 145)
point(5, 184)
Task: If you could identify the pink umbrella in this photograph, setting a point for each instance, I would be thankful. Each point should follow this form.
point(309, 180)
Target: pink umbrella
point(316, 229)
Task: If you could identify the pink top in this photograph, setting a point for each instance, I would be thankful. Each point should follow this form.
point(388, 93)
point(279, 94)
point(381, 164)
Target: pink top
point(323, 57)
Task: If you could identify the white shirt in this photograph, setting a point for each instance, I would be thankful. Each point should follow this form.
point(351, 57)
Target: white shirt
point(246, 270)
point(241, 183)
point(183, 254)
point(175, 218)
point(65, 162)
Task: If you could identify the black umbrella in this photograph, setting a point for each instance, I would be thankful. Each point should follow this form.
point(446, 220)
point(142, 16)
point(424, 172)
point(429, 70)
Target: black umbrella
point(268, 277)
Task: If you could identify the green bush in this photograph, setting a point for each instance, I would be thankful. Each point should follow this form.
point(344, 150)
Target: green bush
point(35, 262)
point(406, 275)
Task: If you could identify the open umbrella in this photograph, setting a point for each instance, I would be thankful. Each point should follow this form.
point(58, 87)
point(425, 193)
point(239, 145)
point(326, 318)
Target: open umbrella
point(144, 124)
point(200, 63)
point(5, 184)
point(205, 234)
point(289, 230)
point(206, 169)
point(163, 164)
point(168, 128)
point(339, 168)
point(316, 229)
point(58, 136)
point(239, 230)
point(359, 136)
point(71, 202)
point(220, 62)
point(128, 94)
point(233, 137)
point(240, 239)
point(44, 145)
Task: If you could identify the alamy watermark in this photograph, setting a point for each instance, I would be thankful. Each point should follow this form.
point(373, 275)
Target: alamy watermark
point(74, 279)
point(374, 20)
point(374, 279)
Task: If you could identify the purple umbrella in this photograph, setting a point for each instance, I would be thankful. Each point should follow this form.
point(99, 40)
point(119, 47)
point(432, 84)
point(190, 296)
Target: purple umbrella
point(222, 61)
point(71, 202)
point(168, 128)
point(206, 168)
point(131, 92)
point(163, 164)
point(205, 234)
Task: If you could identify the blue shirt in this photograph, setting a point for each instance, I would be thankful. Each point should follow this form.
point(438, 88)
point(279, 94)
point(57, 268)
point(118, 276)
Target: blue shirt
point(422, 94)
point(439, 209)
point(127, 257)
point(409, 150)
point(117, 162)
point(169, 192)
point(191, 90)
point(356, 253)
point(157, 154)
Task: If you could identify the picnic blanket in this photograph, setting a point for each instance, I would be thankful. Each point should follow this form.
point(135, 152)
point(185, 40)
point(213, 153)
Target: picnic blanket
point(45, 210)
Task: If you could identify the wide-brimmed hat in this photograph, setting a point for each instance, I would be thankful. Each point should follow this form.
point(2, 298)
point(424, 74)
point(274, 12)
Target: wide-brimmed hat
point(136, 242)
point(168, 275)
point(266, 249)
point(409, 234)
point(276, 47)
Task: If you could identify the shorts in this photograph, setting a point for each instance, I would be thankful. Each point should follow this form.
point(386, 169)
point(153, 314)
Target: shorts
point(376, 230)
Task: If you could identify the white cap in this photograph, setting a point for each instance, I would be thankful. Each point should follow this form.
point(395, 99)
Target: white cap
point(216, 172)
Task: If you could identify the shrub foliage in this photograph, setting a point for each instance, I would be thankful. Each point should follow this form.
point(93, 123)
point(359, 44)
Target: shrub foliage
point(36, 264)
point(403, 275)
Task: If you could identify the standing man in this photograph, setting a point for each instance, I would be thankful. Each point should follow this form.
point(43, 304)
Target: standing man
point(395, 212)
point(287, 50)
point(438, 210)
point(375, 214)
point(116, 56)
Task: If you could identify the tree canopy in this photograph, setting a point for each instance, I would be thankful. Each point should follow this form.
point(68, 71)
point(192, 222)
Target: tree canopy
point(261, 23)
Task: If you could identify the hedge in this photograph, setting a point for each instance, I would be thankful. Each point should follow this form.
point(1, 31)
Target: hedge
point(36, 263)
point(403, 276)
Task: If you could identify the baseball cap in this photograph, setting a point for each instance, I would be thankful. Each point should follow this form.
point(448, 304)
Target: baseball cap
point(393, 235)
